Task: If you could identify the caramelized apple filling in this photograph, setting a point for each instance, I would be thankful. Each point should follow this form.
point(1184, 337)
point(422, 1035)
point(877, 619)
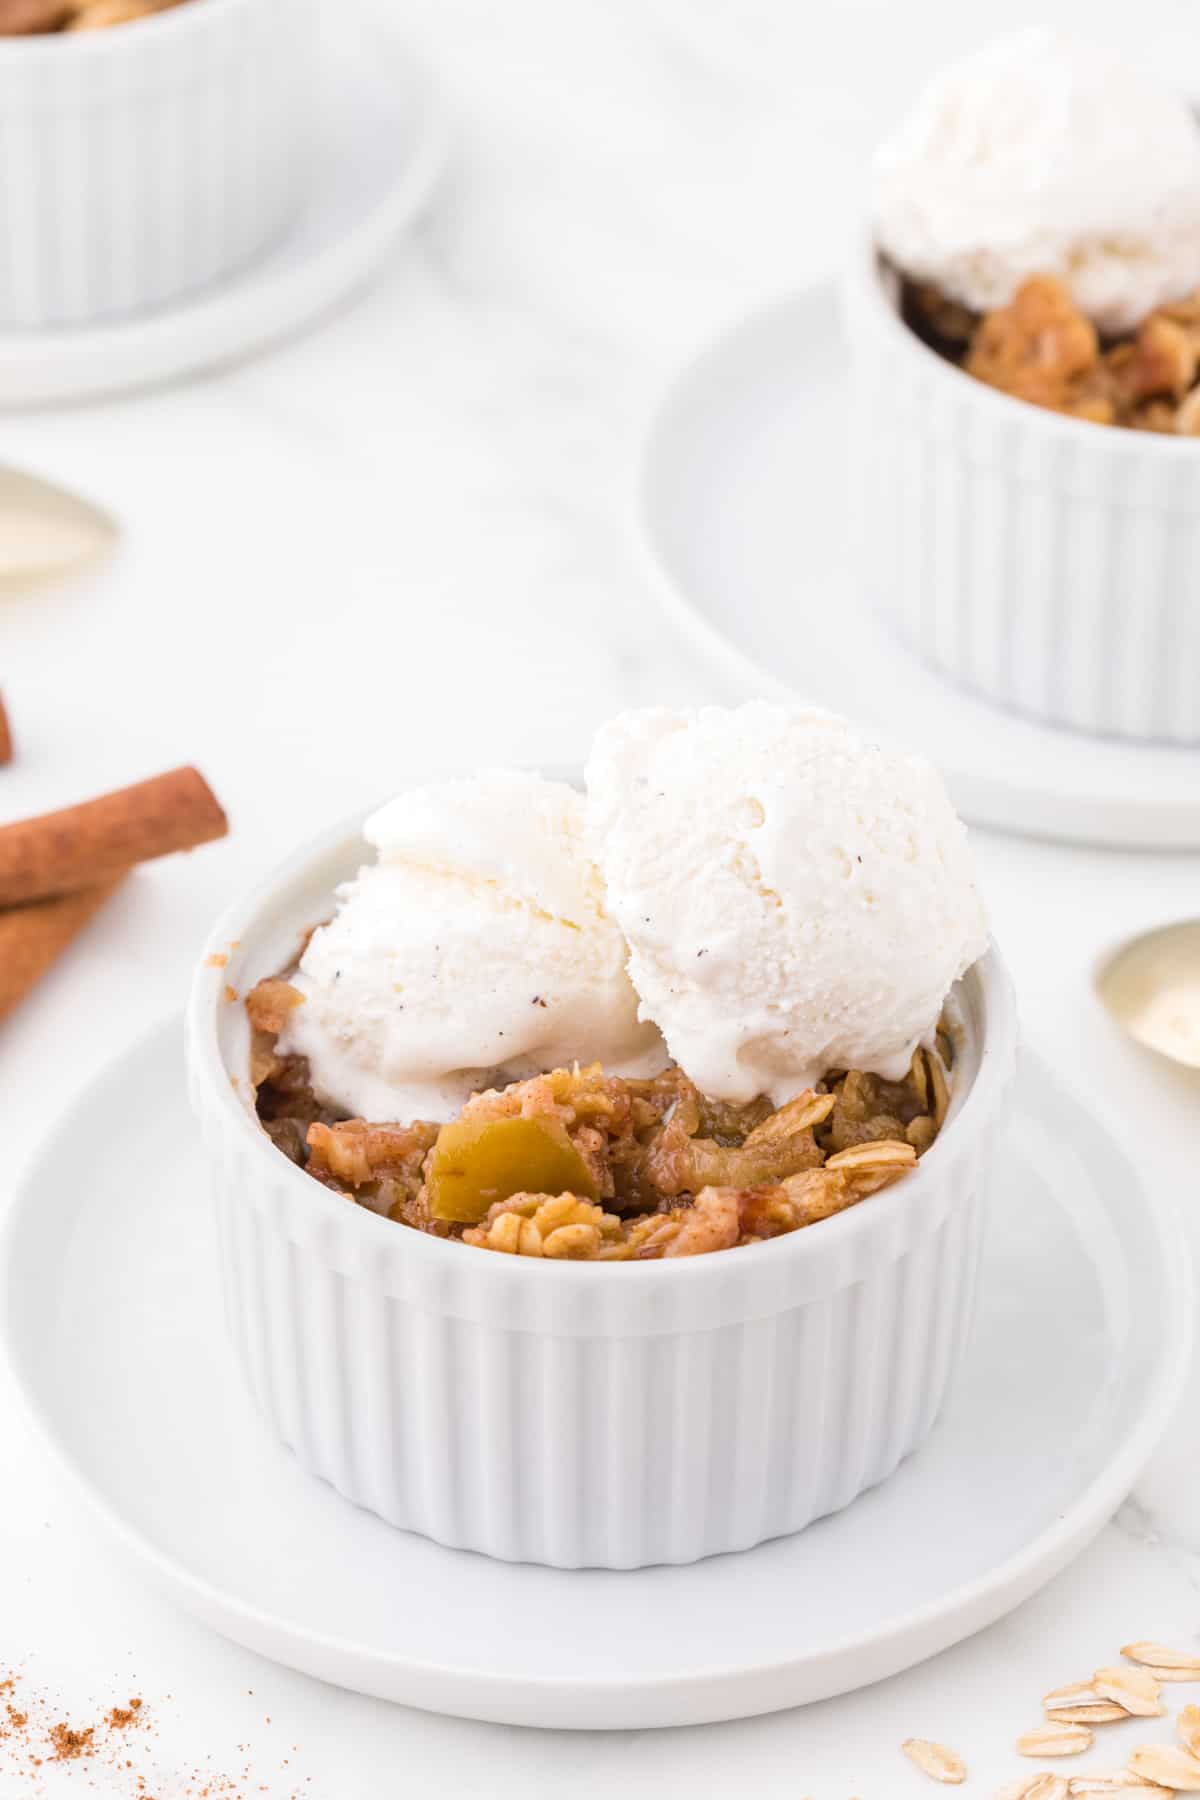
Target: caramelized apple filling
point(1042, 348)
point(584, 1166)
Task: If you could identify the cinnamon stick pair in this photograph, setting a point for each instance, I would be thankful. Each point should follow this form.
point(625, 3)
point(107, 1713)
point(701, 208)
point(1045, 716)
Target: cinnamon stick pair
point(58, 869)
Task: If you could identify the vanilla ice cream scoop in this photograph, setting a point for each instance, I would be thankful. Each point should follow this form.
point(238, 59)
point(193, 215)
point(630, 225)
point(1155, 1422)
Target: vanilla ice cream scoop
point(474, 951)
point(1042, 155)
point(796, 899)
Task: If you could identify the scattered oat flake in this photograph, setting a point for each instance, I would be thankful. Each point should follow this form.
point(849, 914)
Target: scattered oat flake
point(1124, 1782)
point(1079, 1704)
point(1035, 1787)
point(1055, 1739)
point(1160, 1657)
point(1136, 1690)
point(1075, 1693)
point(231, 993)
point(217, 960)
point(935, 1760)
point(1169, 1766)
point(1188, 1725)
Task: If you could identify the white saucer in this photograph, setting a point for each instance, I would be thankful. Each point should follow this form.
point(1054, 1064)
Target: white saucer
point(112, 1324)
point(740, 512)
point(379, 145)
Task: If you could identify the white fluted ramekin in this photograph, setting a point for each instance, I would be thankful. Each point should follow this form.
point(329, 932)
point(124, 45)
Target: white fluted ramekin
point(581, 1414)
point(141, 162)
point(1050, 565)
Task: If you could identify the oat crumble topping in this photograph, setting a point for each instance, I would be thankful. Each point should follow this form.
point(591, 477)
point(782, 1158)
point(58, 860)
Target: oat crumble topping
point(1043, 349)
point(579, 1165)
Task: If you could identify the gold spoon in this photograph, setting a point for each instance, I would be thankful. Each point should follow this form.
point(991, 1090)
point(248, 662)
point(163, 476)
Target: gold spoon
point(1151, 986)
point(45, 530)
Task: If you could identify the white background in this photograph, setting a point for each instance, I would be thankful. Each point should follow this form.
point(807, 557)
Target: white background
point(400, 542)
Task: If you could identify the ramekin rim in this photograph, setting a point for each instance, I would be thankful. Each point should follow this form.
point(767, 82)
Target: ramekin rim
point(997, 1054)
point(188, 18)
point(1109, 441)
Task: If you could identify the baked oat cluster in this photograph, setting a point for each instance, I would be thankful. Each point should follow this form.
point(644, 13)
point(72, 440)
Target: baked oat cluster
point(581, 1165)
point(33, 18)
point(1043, 349)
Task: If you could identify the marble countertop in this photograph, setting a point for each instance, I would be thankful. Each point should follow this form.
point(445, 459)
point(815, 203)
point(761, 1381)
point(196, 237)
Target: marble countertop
point(401, 542)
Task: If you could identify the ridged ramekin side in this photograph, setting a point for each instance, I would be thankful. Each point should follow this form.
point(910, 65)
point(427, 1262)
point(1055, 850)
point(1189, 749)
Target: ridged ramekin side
point(606, 1449)
point(139, 164)
point(1049, 565)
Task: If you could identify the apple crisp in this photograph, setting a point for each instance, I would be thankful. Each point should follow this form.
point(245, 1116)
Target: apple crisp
point(1043, 349)
point(584, 1166)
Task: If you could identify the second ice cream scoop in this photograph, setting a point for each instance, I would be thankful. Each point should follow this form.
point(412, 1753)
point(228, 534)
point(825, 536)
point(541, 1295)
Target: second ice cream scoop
point(796, 898)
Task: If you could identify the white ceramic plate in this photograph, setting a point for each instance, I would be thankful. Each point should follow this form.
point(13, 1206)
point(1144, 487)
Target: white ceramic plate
point(112, 1324)
point(380, 143)
point(740, 510)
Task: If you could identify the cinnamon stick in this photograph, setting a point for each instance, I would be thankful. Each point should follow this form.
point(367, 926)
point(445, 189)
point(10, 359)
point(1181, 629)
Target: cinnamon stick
point(23, 18)
point(82, 846)
point(6, 741)
point(32, 937)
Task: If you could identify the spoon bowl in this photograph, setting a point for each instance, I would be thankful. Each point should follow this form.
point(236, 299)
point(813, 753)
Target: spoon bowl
point(46, 531)
point(1151, 986)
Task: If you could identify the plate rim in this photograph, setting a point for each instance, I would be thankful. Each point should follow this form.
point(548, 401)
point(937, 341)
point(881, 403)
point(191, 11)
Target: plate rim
point(490, 1695)
point(1080, 816)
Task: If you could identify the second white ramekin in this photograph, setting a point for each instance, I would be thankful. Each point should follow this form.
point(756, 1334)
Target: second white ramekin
point(1050, 565)
point(584, 1415)
point(142, 162)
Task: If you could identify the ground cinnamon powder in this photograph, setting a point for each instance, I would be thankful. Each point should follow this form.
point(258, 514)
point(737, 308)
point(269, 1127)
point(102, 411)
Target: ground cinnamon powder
point(34, 1736)
point(70, 1744)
